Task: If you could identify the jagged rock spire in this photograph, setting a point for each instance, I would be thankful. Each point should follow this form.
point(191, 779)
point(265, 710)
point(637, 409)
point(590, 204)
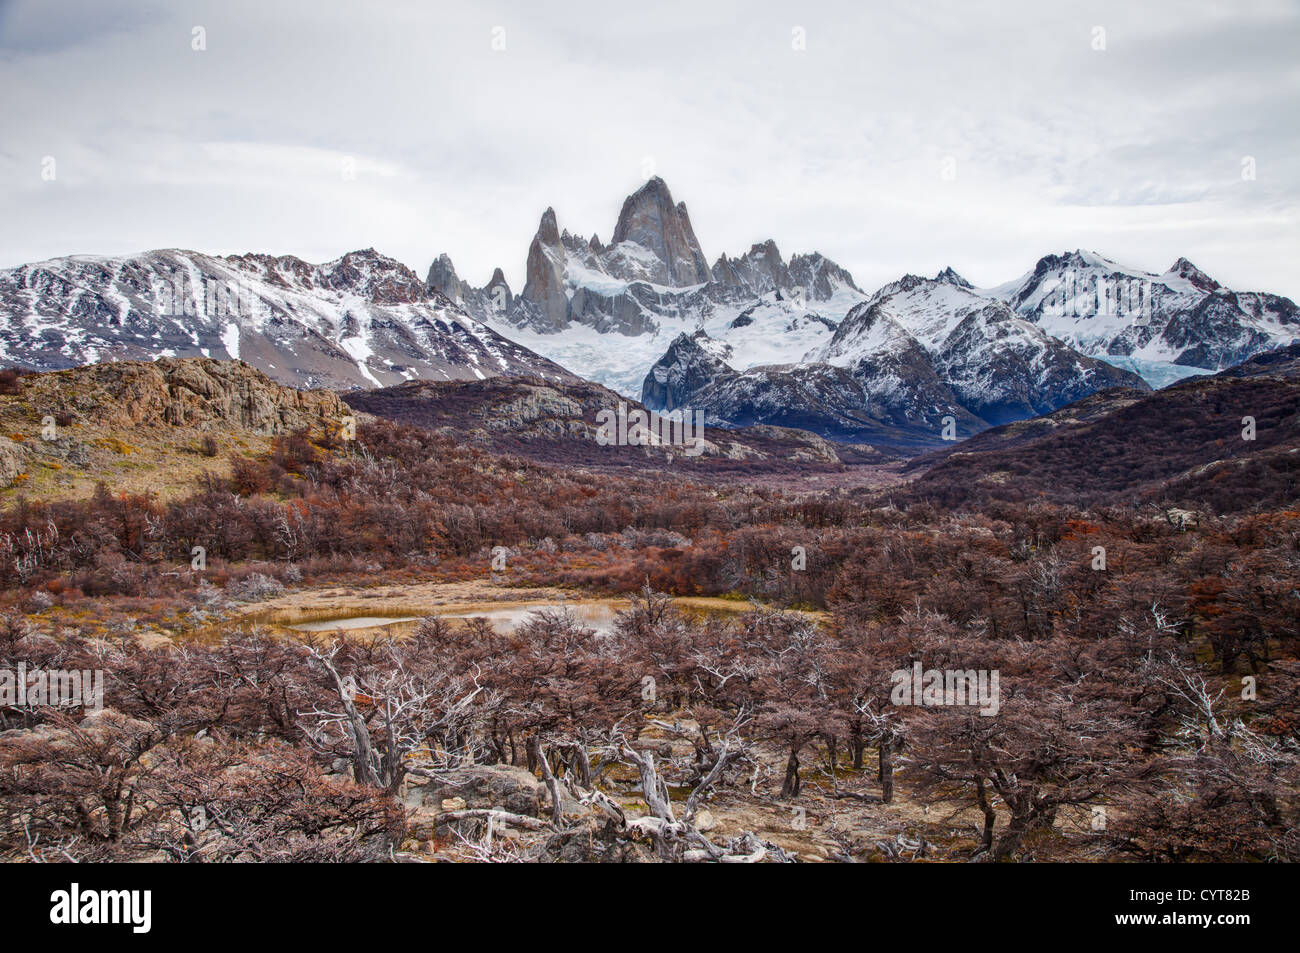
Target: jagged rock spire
point(650, 219)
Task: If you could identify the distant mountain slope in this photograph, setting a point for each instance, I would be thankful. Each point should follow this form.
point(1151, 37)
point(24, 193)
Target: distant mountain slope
point(997, 366)
point(1182, 317)
point(1183, 444)
point(362, 320)
point(821, 398)
point(919, 351)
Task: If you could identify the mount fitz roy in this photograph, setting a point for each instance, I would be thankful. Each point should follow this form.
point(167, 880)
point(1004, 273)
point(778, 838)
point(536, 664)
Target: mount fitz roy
point(751, 339)
point(646, 316)
point(652, 271)
point(609, 311)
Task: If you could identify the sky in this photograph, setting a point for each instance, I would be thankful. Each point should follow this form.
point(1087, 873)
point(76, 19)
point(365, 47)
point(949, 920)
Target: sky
point(893, 137)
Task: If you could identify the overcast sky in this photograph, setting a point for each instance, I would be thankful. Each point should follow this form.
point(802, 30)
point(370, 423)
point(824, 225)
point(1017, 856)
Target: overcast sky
point(1135, 150)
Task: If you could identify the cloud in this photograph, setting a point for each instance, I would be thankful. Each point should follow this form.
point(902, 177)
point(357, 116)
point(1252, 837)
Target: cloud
point(53, 26)
point(1134, 150)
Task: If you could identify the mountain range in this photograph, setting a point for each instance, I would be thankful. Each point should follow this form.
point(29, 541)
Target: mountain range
point(1178, 321)
point(754, 339)
point(920, 354)
point(751, 339)
point(363, 320)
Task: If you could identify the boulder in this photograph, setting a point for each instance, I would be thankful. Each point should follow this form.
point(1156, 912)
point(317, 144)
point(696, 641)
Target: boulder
point(13, 461)
point(477, 787)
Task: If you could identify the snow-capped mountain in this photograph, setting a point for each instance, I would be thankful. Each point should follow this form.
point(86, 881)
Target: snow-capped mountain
point(607, 312)
point(612, 313)
point(752, 339)
point(830, 401)
point(1161, 325)
point(919, 350)
point(999, 366)
point(362, 320)
point(690, 364)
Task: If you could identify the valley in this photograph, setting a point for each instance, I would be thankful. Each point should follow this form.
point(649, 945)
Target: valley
point(405, 543)
point(426, 550)
point(587, 652)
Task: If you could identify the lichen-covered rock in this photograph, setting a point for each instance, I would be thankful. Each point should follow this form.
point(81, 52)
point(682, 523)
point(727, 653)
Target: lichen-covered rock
point(199, 393)
point(13, 461)
point(482, 786)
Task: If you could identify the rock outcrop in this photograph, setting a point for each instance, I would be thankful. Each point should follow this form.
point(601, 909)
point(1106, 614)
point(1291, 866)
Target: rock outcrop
point(758, 271)
point(544, 287)
point(13, 461)
point(479, 787)
point(650, 219)
point(493, 299)
point(444, 280)
point(194, 393)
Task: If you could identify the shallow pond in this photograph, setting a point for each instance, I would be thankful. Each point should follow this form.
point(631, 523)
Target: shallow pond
point(596, 614)
point(354, 622)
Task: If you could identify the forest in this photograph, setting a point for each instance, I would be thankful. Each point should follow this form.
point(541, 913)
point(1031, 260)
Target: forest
point(1147, 660)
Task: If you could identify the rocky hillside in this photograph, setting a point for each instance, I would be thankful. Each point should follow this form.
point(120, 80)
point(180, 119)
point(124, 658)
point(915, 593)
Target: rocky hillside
point(1189, 444)
point(147, 426)
point(362, 320)
point(559, 423)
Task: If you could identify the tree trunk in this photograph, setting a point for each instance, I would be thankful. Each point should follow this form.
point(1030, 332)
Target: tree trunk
point(857, 745)
point(552, 785)
point(990, 816)
point(1010, 840)
point(582, 764)
point(886, 771)
point(790, 786)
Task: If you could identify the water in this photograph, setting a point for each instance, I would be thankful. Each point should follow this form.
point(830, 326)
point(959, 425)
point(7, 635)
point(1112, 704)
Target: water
point(598, 615)
point(595, 615)
point(355, 622)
